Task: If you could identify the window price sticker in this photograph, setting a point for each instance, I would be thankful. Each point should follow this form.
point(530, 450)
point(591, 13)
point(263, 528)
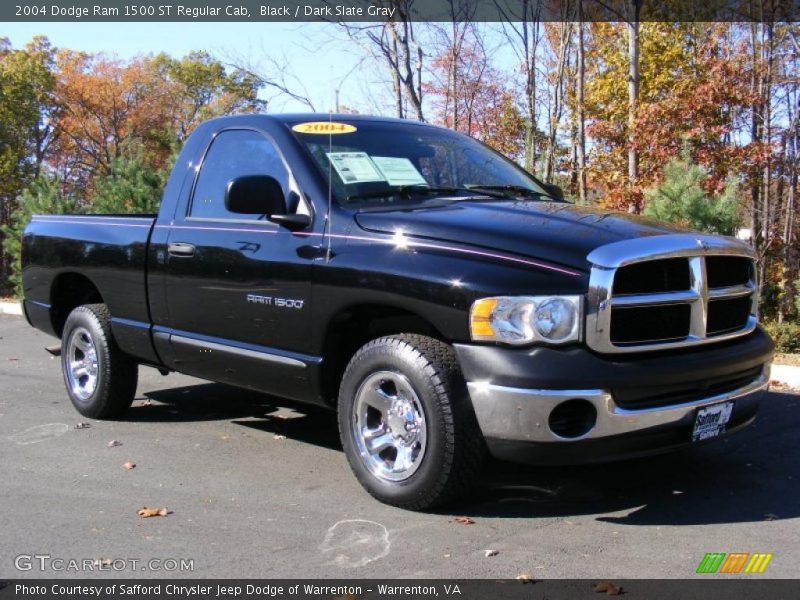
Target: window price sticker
point(355, 167)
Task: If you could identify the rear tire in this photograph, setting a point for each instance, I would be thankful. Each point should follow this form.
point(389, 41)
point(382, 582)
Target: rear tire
point(407, 424)
point(100, 378)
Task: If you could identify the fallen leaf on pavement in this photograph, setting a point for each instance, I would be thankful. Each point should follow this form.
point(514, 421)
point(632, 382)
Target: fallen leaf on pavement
point(463, 521)
point(82, 426)
point(145, 512)
point(488, 553)
point(607, 587)
point(129, 465)
point(114, 444)
point(525, 578)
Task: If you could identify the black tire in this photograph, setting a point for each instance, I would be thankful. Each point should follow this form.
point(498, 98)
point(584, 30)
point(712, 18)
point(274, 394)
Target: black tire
point(454, 449)
point(115, 373)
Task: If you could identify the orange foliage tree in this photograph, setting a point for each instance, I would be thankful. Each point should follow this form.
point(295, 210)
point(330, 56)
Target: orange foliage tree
point(470, 95)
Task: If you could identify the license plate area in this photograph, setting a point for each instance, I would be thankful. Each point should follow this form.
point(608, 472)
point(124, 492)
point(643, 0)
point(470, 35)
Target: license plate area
point(711, 421)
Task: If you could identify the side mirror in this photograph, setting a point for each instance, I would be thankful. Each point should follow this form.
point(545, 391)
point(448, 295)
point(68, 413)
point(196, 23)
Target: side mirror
point(552, 189)
point(255, 195)
point(293, 222)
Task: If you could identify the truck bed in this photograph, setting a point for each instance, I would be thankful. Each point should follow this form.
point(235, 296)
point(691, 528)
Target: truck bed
point(77, 254)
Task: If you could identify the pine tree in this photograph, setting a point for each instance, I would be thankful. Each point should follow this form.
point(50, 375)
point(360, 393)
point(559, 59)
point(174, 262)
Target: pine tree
point(131, 186)
point(681, 198)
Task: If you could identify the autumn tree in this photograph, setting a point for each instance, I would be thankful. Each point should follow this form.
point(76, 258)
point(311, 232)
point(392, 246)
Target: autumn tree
point(522, 34)
point(105, 101)
point(155, 101)
point(397, 45)
point(28, 113)
point(559, 38)
point(200, 87)
point(479, 103)
point(667, 73)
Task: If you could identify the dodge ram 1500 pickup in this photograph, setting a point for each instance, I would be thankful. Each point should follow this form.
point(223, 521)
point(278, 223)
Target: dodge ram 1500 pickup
point(444, 302)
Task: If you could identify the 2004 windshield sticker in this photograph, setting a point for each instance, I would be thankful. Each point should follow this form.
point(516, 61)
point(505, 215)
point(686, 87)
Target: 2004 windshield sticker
point(324, 128)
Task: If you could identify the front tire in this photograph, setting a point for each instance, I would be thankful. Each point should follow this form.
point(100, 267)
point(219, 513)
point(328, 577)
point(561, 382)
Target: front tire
point(100, 378)
point(406, 422)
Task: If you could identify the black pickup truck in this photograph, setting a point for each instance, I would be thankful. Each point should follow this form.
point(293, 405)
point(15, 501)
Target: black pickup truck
point(444, 302)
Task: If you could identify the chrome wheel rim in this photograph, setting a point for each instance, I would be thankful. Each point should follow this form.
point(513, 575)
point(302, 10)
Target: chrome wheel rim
point(389, 426)
point(81, 364)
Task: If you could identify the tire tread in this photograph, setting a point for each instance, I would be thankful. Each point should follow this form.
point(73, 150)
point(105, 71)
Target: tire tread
point(119, 375)
point(465, 450)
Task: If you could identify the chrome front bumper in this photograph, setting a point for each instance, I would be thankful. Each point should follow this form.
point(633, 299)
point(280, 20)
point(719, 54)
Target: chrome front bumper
point(514, 414)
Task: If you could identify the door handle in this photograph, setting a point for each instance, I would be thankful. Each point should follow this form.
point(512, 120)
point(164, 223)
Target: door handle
point(181, 249)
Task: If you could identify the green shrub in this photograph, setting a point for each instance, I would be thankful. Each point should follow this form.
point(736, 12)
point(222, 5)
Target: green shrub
point(797, 296)
point(681, 199)
point(786, 336)
point(132, 186)
point(44, 196)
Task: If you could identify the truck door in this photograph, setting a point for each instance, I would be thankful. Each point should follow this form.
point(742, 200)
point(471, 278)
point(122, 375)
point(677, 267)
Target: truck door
point(238, 289)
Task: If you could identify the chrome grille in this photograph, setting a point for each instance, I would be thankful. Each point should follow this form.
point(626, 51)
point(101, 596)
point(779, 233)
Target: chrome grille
point(661, 292)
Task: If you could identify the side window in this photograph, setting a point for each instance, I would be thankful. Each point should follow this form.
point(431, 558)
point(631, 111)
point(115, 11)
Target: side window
point(233, 154)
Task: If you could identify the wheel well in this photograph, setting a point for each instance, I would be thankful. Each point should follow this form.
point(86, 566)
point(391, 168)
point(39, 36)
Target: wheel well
point(354, 327)
point(69, 291)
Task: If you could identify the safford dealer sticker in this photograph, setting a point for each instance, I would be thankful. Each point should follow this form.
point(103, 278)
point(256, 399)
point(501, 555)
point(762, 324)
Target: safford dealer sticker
point(323, 127)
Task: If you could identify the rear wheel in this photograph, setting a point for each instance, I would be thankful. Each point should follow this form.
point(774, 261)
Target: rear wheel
point(100, 378)
point(407, 424)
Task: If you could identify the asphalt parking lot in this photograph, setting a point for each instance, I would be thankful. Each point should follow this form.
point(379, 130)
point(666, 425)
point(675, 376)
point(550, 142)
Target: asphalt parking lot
point(257, 489)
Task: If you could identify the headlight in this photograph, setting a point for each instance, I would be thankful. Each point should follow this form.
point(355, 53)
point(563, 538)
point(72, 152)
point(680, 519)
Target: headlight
point(527, 319)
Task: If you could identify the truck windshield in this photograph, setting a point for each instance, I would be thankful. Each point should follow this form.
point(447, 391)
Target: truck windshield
point(387, 163)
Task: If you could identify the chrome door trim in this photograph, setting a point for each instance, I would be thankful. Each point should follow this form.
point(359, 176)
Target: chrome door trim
point(243, 352)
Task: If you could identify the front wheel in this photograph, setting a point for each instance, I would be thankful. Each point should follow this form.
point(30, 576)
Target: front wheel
point(100, 378)
point(406, 422)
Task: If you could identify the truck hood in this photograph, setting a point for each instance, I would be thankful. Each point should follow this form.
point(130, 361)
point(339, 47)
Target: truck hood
point(553, 231)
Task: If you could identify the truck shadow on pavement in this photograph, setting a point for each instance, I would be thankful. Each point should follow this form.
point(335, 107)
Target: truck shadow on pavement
point(753, 475)
point(218, 402)
point(202, 402)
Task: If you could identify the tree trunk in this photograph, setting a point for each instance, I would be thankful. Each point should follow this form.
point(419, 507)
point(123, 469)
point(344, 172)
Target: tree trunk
point(766, 95)
point(755, 136)
point(790, 257)
point(454, 57)
point(633, 94)
point(405, 76)
point(580, 73)
point(397, 87)
point(555, 110)
point(417, 96)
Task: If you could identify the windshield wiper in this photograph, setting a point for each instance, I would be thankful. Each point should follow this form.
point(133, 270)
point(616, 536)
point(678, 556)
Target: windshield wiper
point(407, 191)
point(508, 190)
